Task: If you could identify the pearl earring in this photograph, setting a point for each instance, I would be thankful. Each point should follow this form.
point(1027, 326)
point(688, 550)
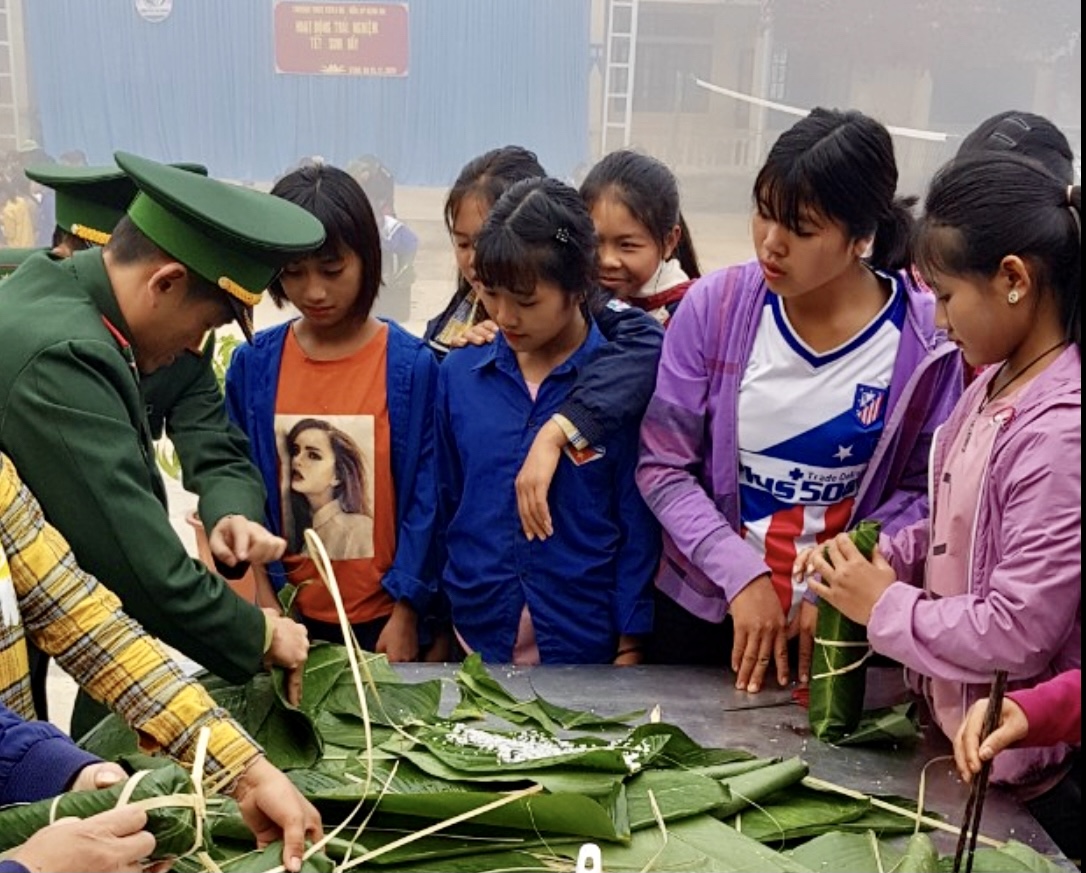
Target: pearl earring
point(1013, 298)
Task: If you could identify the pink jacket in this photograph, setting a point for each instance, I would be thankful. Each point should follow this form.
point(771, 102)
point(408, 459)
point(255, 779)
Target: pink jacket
point(1053, 710)
point(1022, 613)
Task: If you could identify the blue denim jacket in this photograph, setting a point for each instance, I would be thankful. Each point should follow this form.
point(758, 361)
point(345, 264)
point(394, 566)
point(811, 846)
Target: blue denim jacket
point(585, 585)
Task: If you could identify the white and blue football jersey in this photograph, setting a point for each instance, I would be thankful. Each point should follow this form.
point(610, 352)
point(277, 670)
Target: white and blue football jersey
point(808, 426)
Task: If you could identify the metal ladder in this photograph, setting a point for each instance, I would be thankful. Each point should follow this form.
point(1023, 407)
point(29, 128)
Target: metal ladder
point(10, 133)
point(618, 73)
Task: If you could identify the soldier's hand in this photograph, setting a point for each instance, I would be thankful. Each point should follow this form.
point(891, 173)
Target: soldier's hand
point(235, 540)
point(289, 649)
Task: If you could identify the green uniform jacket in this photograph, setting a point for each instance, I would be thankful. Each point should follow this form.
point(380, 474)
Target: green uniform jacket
point(184, 401)
point(73, 419)
point(12, 259)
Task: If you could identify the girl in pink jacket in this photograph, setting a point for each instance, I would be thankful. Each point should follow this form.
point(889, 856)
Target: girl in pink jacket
point(992, 579)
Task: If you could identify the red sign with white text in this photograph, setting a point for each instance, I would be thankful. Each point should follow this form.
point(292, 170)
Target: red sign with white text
point(341, 39)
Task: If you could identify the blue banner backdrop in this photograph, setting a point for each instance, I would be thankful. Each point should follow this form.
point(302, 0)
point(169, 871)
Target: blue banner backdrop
point(200, 85)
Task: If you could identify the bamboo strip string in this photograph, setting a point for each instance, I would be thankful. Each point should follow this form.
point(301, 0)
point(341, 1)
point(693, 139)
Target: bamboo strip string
point(813, 782)
point(662, 825)
point(328, 574)
point(840, 644)
point(442, 825)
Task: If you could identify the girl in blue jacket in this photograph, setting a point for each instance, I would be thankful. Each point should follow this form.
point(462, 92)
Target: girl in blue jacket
point(582, 595)
point(371, 383)
point(611, 392)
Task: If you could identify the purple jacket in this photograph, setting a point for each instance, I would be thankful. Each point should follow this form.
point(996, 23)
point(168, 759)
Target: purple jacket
point(1022, 613)
point(689, 465)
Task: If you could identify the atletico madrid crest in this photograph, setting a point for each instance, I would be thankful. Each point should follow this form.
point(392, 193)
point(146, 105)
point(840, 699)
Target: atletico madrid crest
point(869, 405)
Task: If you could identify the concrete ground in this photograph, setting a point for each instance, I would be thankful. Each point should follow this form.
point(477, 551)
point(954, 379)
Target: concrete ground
point(719, 239)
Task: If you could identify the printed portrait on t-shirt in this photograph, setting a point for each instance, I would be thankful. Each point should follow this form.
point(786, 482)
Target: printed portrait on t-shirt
point(326, 482)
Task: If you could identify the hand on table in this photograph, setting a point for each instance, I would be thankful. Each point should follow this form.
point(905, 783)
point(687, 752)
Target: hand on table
point(761, 636)
point(630, 651)
point(803, 626)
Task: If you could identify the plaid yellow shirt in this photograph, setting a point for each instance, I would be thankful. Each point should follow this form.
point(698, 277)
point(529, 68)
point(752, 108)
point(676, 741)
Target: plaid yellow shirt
point(72, 617)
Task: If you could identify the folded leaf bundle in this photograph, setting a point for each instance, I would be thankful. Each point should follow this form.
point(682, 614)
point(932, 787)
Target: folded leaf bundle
point(838, 677)
point(174, 826)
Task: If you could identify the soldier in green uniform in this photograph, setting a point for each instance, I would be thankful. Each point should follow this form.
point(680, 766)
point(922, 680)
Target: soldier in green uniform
point(77, 338)
point(89, 201)
point(183, 400)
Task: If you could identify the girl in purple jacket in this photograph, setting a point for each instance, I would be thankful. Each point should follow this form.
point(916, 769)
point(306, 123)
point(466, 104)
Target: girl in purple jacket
point(992, 579)
point(796, 394)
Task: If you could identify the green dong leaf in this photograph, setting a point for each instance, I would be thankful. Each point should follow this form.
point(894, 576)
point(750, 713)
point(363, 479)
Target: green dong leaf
point(837, 685)
point(174, 827)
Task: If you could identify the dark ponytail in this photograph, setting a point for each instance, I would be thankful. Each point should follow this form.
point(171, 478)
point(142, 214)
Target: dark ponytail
point(893, 236)
point(1071, 299)
point(1025, 133)
point(539, 229)
point(684, 251)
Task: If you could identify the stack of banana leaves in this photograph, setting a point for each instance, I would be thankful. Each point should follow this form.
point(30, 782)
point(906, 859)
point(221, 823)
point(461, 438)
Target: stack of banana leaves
point(510, 784)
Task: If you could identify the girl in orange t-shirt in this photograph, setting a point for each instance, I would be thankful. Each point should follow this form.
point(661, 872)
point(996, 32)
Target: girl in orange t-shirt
point(337, 407)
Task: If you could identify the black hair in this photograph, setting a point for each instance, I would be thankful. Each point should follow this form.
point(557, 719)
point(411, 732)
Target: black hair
point(340, 204)
point(1024, 133)
point(840, 165)
point(130, 245)
point(487, 177)
point(69, 239)
point(985, 206)
point(649, 190)
point(540, 229)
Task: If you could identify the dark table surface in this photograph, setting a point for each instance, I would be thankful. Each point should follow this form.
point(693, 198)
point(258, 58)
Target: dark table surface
point(705, 704)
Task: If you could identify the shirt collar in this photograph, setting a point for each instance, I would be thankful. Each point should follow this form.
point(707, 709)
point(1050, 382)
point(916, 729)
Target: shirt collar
point(90, 271)
point(498, 354)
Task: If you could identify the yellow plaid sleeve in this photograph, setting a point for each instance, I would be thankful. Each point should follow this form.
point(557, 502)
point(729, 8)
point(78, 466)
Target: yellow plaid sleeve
point(71, 616)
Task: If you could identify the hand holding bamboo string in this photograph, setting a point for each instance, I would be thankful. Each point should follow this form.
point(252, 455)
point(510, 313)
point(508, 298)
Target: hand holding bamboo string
point(970, 750)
